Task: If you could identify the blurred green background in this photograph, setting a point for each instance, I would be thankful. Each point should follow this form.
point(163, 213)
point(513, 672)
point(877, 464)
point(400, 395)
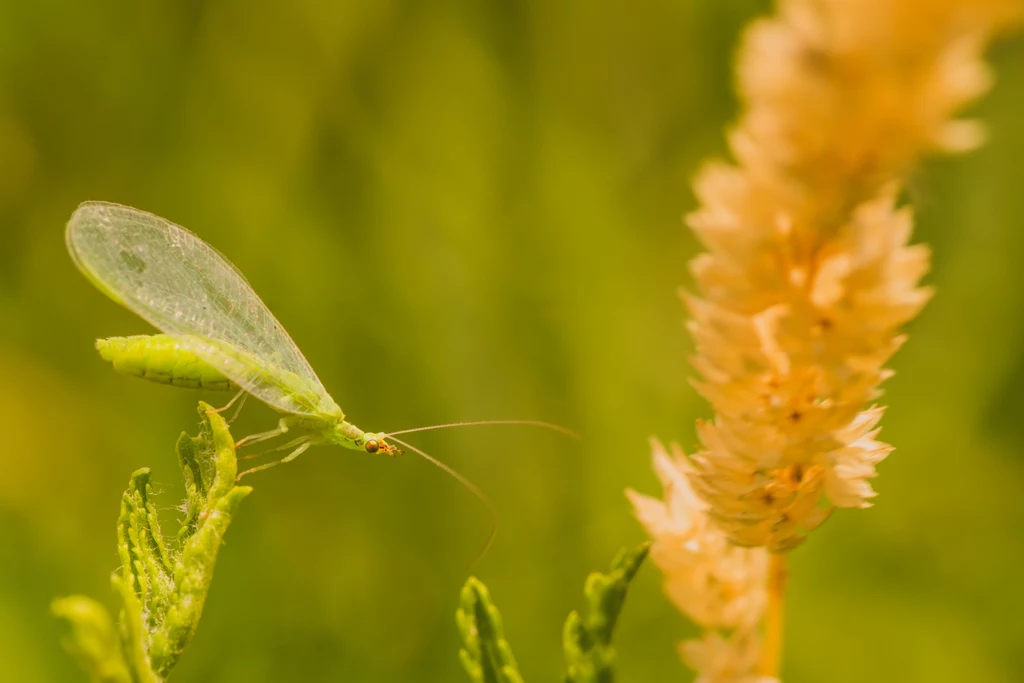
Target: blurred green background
point(467, 210)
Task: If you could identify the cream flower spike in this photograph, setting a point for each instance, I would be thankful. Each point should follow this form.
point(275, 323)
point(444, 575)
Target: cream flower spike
point(809, 273)
point(807, 278)
point(718, 659)
point(721, 587)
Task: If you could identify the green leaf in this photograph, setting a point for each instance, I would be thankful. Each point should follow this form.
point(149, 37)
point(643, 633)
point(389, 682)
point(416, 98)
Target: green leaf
point(162, 588)
point(589, 654)
point(487, 656)
point(93, 640)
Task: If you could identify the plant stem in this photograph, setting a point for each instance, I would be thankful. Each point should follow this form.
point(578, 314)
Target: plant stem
point(771, 653)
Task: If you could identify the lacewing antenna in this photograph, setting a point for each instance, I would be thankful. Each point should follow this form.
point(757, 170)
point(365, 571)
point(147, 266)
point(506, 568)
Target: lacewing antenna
point(471, 487)
point(527, 423)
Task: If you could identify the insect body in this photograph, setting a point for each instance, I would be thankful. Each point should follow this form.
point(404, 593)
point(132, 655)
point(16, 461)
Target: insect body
point(218, 333)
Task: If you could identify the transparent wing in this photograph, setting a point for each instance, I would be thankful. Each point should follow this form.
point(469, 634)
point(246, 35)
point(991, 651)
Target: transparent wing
point(186, 288)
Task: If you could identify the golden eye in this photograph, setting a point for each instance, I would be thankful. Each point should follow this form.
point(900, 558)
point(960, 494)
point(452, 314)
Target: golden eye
point(372, 446)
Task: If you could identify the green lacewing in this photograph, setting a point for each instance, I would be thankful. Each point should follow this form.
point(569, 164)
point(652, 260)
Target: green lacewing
point(218, 333)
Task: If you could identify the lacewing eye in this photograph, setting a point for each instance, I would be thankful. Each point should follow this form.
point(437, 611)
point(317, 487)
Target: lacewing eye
point(372, 446)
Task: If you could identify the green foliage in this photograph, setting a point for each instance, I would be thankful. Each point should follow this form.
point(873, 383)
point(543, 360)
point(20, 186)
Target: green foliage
point(93, 639)
point(587, 641)
point(162, 590)
point(487, 656)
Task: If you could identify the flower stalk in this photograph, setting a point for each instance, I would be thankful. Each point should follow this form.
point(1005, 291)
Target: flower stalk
point(771, 651)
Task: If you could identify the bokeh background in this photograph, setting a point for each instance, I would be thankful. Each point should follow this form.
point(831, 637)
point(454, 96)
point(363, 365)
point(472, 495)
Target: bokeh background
point(466, 210)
